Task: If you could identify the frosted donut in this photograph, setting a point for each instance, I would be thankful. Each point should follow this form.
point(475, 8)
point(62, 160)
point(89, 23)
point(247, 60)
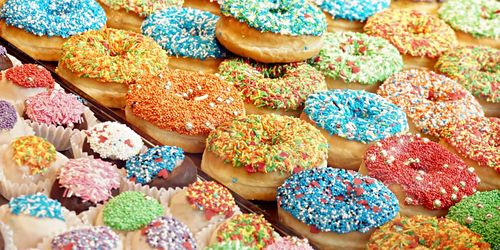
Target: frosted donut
point(272, 88)
point(211, 6)
point(426, 6)
point(431, 101)
point(426, 178)
point(271, 31)
point(421, 38)
point(40, 28)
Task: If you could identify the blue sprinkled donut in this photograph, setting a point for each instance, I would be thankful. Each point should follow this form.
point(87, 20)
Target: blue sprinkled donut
point(336, 200)
point(351, 10)
point(185, 32)
point(62, 18)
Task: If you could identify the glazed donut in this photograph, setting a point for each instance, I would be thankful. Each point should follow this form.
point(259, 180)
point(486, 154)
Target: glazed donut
point(347, 15)
point(356, 61)
point(181, 108)
point(211, 6)
point(129, 15)
point(350, 120)
point(476, 141)
point(188, 35)
point(40, 28)
point(475, 68)
point(253, 155)
point(426, 6)
point(102, 63)
point(425, 232)
point(475, 22)
point(431, 101)
point(335, 208)
point(272, 88)
point(481, 214)
point(271, 31)
point(421, 38)
point(426, 178)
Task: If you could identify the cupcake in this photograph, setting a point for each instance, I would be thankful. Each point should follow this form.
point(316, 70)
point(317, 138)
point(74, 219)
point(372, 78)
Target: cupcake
point(233, 245)
point(84, 238)
point(11, 125)
point(85, 182)
point(290, 243)
point(29, 165)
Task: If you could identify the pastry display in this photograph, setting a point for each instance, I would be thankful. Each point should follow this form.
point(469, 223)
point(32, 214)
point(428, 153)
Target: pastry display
point(335, 208)
point(40, 27)
point(350, 120)
point(182, 107)
point(271, 31)
point(86, 238)
point(272, 88)
point(253, 155)
point(426, 178)
point(188, 36)
point(206, 5)
point(356, 61)
point(11, 125)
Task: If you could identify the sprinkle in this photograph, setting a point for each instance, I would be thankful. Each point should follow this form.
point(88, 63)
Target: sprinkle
point(168, 233)
point(86, 238)
point(8, 116)
point(55, 107)
point(251, 229)
point(211, 197)
point(353, 10)
point(34, 152)
point(114, 141)
point(141, 7)
point(36, 205)
point(145, 167)
point(289, 243)
point(233, 245)
point(30, 76)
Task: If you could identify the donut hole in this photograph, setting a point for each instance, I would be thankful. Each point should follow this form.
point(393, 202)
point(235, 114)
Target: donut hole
point(271, 71)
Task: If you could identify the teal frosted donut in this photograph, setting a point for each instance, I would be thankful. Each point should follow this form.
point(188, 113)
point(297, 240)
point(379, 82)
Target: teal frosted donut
point(353, 10)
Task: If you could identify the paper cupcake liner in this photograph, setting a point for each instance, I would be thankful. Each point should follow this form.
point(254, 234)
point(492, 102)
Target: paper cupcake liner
point(203, 237)
point(8, 237)
point(20, 129)
point(60, 136)
point(159, 194)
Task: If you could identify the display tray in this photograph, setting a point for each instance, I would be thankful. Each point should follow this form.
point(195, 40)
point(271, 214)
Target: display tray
point(267, 209)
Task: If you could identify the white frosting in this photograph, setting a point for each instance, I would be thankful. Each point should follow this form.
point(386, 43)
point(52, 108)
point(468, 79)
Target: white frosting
point(114, 141)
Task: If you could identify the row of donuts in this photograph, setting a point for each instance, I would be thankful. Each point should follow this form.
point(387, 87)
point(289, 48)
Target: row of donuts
point(112, 192)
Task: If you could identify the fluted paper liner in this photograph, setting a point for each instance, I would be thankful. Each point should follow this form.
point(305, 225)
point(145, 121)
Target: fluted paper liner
point(8, 237)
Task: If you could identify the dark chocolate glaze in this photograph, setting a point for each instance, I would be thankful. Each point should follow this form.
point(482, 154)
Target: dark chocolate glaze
point(5, 63)
point(80, 126)
point(73, 203)
point(86, 148)
point(181, 176)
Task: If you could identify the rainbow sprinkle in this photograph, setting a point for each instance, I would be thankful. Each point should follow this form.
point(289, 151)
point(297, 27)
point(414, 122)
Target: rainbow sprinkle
point(34, 152)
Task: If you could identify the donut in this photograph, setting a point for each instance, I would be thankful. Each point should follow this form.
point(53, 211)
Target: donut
point(356, 61)
point(430, 100)
point(424, 232)
point(253, 155)
point(481, 214)
point(102, 63)
point(206, 5)
point(86, 238)
point(426, 178)
point(426, 6)
point(475, 68)
point(40, 28)
point(188, 36)
point(182, 107)
point(421, 38)
point(475, 140)
point(335, 208)
point(350, 120)
point(475, 22)
point(129, 15)
point(271, 31)
point(347, 15)
point(272, 88)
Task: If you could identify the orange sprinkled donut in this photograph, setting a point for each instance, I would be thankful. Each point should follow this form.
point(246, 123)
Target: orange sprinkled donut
point(180, 108)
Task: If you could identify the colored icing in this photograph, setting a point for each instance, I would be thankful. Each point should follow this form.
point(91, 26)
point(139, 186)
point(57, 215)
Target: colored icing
point(211, 197)
point(358, 10)
point(289, 243)
point(34, 152)
point(114, 140)
point(141, 7)
point(145, 167)
point(8, 116)
point(30, 76)
point(168, 233)
point(101, 238)
point(55, 107)
point(251, 229)
point(37, 205)
point(229, 245)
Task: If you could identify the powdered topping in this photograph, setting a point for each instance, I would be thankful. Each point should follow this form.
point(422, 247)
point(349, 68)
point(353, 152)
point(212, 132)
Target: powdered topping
point(481, 214)
point(430, 100)
point(114, 141)
point(157, 161)
point(212, 198)
point(274, 86)
point(233, 245)
point(353, 10)
point(111, 55)
point(429, 175)
point(477, 139)
point(480, 18)
point(357, 58)
point(30, 76)
point(425, 232)
point(269, 143)
point(34, 152)
point(185, 102)
point(412, 32)
point(131, 211)
point(476, 68)
point(251, 229)
point(37, 205)
point(323, 197)
point(55, 107)
point(168, 233)
point(289, 243)
point(142, 7)
point(86, 238)
point(355, 115)
point(288, 17)
point(8, 116)
point(90, 179)
point(185, 32)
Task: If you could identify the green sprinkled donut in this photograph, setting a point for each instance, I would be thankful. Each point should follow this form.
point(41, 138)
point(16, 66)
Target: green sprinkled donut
point(130, 211)
point(480, 213)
